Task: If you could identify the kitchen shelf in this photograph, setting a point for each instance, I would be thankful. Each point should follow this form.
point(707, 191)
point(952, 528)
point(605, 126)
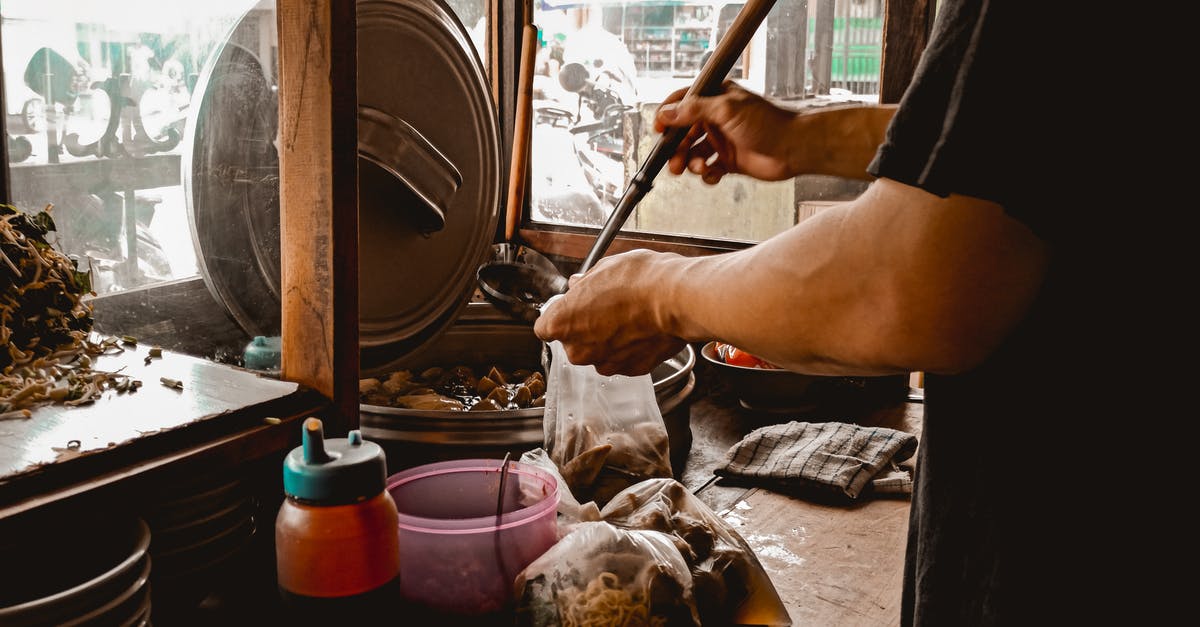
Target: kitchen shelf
point(680, 34)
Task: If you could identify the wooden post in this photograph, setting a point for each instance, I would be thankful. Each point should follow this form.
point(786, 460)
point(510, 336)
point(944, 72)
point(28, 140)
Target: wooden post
point(907, 25)
point(787, 44)
point(5, 194)
point(318, 225)
point(823, 47)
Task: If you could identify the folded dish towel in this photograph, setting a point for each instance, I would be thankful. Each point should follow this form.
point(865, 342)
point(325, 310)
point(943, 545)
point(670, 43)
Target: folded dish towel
point(833, 455)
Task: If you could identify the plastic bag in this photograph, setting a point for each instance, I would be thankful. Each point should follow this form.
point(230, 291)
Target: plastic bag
point(570, 510)
point(731, 586)
point(602, 576)
point(605, 433)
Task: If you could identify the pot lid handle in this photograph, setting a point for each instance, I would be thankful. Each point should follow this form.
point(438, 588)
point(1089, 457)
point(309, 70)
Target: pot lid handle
point(400, 150)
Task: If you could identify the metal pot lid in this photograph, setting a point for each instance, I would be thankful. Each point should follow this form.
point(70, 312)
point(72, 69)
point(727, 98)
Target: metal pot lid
point(416, 63)
point(231, 183)
point(429, 178)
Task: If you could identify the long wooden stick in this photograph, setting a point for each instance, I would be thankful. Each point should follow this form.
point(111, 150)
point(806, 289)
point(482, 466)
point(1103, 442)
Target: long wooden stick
point(521, 133)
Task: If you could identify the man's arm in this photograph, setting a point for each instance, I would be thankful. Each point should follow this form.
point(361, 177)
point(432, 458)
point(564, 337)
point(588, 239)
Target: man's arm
point(896, 281)
point(740, 132)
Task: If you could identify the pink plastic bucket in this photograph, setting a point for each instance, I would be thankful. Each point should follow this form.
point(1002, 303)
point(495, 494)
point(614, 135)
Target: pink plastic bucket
point(456, 556)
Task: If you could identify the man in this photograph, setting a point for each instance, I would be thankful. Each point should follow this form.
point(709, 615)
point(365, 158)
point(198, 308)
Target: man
point(964, 259)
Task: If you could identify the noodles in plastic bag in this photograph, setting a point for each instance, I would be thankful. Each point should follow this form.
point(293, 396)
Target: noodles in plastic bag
point(602, 576)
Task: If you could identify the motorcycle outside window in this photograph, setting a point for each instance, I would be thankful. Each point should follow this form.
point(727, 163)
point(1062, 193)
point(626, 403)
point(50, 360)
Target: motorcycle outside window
point(604, 66)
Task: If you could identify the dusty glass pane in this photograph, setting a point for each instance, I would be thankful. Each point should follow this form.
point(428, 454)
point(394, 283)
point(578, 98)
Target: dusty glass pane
point(604, 67)
point(109, 107)
point(473, 15)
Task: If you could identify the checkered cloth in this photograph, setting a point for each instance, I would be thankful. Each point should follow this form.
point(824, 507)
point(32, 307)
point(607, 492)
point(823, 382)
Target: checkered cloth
point(831, 455)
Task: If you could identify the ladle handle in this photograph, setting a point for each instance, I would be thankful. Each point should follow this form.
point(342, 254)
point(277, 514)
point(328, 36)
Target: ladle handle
point(708, 82)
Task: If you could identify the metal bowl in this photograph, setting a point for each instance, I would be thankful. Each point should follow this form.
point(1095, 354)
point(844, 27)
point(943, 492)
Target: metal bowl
point(74, 570)
point(784, 391)
point(410, 436)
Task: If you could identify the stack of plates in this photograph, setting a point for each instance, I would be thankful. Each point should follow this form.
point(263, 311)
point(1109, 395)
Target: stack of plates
point(81, 572)
point(197, 532)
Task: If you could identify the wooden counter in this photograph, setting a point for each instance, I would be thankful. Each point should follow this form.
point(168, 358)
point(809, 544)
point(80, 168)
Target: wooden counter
point(832, 563)
point(62, 455)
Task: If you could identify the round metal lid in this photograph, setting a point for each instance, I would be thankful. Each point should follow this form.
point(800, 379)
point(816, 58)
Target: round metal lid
point(429, 178)
point(231, 184)
point(416, 63)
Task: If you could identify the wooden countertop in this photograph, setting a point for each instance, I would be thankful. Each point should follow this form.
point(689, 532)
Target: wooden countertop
point(63, 452)
point(833, 563)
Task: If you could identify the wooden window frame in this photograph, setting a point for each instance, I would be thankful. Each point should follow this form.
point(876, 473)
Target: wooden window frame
point(318, 161)
point(907, 25)
point(319, 243)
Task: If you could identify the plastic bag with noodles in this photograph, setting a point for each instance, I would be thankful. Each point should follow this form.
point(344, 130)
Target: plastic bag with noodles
point(602, 576)
point(731, 586)
point(605, 433)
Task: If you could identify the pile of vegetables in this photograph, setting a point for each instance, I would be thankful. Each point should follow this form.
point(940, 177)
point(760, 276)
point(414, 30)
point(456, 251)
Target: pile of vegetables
point(44, 322)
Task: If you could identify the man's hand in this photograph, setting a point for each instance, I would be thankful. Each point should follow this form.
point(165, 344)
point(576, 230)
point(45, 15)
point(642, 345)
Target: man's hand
point(738, 131)
point(735, 131)
point(612, 317)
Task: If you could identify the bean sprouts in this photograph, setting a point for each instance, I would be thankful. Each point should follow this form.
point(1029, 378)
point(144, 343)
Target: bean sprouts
point(46, 347)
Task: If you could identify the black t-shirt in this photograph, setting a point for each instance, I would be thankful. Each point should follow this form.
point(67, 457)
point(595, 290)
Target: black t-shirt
point(1010, 476)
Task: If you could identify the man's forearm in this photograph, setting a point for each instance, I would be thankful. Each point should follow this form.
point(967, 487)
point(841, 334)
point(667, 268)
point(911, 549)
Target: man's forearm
point(896, 281)
point(839, 141)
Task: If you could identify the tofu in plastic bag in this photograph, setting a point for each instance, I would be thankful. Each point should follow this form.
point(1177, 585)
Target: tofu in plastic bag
point(605, 433)
point(731, 586)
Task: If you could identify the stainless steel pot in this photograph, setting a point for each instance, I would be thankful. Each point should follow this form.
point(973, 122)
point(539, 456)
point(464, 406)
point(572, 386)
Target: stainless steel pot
point(410, 437)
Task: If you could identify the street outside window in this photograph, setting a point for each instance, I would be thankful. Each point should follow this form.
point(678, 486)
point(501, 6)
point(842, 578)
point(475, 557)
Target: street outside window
point(604, 66)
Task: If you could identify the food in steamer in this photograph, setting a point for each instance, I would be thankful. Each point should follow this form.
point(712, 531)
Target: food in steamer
point(456, 389)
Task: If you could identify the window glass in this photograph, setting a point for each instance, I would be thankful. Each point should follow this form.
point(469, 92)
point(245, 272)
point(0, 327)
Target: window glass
point(473, 15)
point(604, 66)
point(103, 101)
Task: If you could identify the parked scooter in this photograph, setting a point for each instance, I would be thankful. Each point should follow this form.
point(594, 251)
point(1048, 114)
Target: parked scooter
point(600, 134)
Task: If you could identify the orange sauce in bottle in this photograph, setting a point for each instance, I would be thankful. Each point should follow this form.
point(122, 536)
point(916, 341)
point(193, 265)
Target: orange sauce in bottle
point(337, 546)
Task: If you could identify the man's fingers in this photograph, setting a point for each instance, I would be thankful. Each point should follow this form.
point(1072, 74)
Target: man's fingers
point(666, 110)
point(677, 163)
point(714, 174)
point(544, 326)
point(686, 112)
point(699, 157)
point(675, 96)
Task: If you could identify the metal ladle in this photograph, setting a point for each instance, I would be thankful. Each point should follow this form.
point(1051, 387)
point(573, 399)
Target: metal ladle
point(521, 289)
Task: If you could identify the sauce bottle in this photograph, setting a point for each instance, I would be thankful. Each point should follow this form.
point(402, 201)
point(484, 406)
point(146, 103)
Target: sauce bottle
point(337, 543)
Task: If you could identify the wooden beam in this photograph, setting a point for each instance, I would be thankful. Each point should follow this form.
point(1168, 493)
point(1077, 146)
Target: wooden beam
point(823, 46)
point(907, 25)
point(5, 195)
point(318, 169)
point(787, 43)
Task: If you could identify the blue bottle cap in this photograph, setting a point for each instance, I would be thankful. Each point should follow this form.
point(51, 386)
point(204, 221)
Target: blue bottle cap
point(263, 353)
point(333, 472)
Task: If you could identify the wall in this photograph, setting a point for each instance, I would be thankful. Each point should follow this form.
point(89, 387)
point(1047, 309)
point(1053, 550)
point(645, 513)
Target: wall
point(739, 207)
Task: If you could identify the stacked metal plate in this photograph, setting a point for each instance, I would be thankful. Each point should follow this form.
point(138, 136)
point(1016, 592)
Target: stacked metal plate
point(198, 531)
point(81, 571)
